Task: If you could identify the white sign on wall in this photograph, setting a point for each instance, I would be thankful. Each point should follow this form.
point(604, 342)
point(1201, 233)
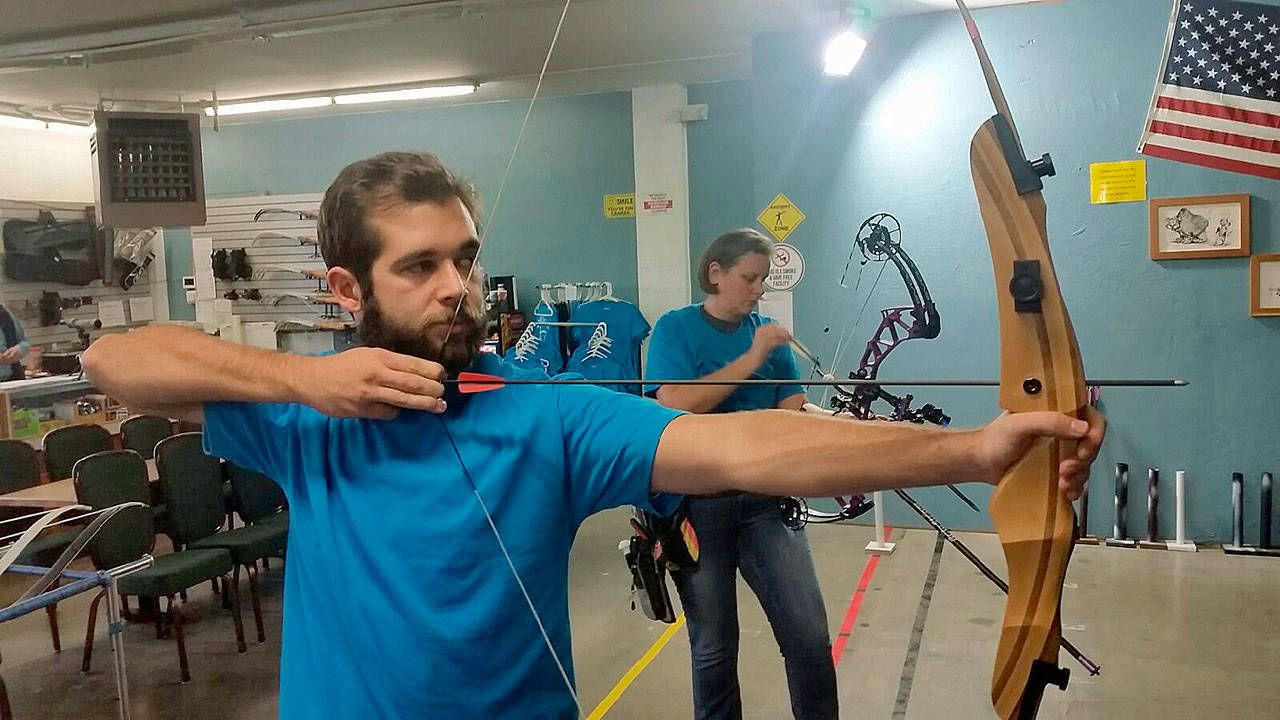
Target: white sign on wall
point(658, 202)
point(786, 268)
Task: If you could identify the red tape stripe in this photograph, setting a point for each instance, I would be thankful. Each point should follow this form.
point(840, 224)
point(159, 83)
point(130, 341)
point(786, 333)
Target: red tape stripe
point(855, 604)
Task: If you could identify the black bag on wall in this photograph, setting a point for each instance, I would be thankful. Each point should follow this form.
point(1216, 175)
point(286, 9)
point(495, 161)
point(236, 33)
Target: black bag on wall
point(49, 251)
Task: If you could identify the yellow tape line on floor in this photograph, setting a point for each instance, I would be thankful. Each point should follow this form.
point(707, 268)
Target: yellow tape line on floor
point(635, 670)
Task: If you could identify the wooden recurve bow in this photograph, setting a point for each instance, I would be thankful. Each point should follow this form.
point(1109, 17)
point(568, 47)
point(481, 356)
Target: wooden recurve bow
point(1040, 369)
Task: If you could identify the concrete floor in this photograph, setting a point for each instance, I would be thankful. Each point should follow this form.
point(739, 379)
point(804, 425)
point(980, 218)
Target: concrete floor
point(1177, 635)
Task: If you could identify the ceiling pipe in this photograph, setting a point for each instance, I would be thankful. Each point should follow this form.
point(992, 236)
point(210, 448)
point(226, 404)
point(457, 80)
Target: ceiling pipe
point(290, 20)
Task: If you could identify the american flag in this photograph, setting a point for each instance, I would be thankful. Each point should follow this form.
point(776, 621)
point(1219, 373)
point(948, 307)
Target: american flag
point(1217, 100)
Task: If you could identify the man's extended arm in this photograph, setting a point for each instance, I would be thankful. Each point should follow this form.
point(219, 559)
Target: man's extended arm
point(776, 452)
point(176, 370)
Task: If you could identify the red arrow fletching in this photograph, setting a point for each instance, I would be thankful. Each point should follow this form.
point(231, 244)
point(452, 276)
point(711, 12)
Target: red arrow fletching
point(473, 382)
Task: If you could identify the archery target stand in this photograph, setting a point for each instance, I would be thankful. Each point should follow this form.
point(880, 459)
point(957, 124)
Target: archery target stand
point(879, 546)
point(1180, 543)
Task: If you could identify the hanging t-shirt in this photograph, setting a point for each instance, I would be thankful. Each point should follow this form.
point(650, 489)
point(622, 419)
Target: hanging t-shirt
point(686, 346)
point(595, 359)
point(625, 327)
point(538, 347)
point(398, 601)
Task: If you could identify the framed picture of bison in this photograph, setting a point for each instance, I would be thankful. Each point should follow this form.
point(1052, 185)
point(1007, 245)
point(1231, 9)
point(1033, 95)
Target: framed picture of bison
point(1264, 285)
point(1208, 226)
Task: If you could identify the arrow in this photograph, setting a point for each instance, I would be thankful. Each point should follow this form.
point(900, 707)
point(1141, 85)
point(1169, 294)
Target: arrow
point(473, 382)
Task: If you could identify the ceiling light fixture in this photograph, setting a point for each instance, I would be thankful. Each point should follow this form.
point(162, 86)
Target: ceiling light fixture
point(22, 122)
point(842, 53)
point(334, 97)
point(845, 49)
point(420, 93)
point(27, 123)
point(257, 106)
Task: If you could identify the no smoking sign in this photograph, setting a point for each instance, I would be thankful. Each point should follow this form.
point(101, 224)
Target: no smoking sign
point(786, 268)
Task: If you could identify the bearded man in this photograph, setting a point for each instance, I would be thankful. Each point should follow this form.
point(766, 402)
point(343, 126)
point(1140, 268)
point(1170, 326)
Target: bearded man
point(430, 531)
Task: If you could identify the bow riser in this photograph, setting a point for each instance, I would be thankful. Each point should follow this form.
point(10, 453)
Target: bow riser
point(1040, 370)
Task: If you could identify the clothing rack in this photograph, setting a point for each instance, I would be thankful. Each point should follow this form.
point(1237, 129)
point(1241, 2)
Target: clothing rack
point(557, 293)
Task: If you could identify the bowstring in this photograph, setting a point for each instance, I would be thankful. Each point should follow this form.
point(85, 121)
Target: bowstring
point(846, 335)
point(506, 174)
point(466, 285)
point(537, 618)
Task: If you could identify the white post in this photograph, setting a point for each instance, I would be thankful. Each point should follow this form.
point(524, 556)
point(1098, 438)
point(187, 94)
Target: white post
point(878, 544)
point(1180, 487)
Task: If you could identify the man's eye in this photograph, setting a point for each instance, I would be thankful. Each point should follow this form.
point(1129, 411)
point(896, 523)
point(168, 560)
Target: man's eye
point(418, 268)
point(466, 263)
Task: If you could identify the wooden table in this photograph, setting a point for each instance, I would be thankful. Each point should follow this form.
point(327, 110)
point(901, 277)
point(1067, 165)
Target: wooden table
point(56, 494)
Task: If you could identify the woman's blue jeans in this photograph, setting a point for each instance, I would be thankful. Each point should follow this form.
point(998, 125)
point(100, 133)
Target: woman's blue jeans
point(745, 532)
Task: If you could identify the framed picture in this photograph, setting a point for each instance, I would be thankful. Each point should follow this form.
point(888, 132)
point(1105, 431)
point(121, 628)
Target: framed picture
point(1208, 226)
point(1264, 285)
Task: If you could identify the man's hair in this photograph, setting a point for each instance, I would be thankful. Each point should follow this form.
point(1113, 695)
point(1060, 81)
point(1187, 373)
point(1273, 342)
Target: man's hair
point(383, 182)
point(726, 250)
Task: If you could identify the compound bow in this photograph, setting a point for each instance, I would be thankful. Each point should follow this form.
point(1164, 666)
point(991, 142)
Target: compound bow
point(879, 239)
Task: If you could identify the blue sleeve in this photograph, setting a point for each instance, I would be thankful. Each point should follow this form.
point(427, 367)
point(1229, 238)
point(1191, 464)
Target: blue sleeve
point(670, 357)
point(784, 368)
point(610, 440)
point(257, 436)
point(640, 326)
point(20, 341)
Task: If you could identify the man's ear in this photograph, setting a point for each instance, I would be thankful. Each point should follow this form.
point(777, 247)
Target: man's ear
point(345, 287)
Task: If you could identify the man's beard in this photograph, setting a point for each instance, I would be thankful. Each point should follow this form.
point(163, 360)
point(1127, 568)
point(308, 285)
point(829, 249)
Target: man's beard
point(460, 346)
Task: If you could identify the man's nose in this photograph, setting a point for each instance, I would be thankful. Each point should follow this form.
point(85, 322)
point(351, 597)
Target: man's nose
point(453, 283)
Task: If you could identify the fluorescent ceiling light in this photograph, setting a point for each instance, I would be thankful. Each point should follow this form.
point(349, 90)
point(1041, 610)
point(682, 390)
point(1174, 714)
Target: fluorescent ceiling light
point(843, 52)
point(269, 105)
point(71, 128)
point(21, 122)
point(34, 124)
point(421, 93)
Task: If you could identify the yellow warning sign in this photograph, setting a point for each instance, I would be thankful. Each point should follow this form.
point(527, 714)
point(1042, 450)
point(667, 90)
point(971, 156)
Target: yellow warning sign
point(781, 217)
point(622, 205)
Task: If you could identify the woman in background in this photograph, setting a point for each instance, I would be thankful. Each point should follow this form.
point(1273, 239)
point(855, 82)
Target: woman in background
point(724, 338)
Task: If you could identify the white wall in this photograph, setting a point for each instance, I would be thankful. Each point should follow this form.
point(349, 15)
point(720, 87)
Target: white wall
point(662, 167)
point(44, 165)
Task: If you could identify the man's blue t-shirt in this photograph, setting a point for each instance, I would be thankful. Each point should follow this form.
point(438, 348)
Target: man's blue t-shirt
point(398, 601)
point(685, 346)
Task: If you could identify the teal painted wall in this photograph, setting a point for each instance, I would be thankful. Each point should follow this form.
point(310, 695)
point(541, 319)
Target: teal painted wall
point(894, 138)
point(549, 225)
point(720, 166)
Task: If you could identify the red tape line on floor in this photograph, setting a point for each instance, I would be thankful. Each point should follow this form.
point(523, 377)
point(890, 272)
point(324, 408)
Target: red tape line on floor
point(855, 604)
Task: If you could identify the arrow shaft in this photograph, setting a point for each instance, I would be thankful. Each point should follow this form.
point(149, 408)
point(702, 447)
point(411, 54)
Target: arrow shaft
point(496, 381)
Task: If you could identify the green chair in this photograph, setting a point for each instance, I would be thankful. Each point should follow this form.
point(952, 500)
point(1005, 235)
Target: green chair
point(141, 433)
point(19, 470)
point(193, 487)
point(19, 467)
point(109, 478)
point(256, 497)
point(67, 444)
